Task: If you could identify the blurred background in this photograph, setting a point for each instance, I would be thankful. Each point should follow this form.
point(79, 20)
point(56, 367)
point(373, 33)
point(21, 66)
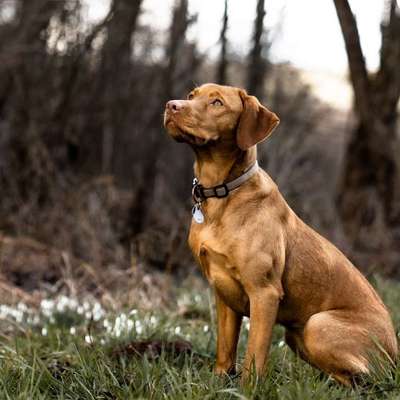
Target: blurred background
point(93, 194)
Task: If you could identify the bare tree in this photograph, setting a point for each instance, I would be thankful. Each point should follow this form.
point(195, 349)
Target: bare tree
point(368, 193)
point(23, 41)
point(115, 77)
point(223, 61)
point(179, 24)
point(168, 89)
point(257, 61)
point(24, 66)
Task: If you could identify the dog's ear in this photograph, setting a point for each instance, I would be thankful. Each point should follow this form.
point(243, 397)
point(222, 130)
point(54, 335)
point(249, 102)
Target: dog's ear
point(256, 122)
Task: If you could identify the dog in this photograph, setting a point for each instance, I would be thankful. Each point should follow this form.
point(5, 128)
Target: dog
point(260, 258)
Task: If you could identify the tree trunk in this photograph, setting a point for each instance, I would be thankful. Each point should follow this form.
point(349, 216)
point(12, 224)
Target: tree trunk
point(368, 192)
point(116, 75)
point(177, 32)
point(179, 24)
point(25, 71)
point(257, 62)
point(223, 62)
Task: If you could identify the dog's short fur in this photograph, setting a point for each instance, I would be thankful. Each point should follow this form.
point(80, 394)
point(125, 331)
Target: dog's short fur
point(261, 259)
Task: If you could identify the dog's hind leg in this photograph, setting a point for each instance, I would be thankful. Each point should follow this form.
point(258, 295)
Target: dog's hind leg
point(337, 346)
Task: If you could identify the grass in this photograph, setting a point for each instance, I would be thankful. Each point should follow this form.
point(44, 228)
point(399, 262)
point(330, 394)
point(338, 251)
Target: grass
point(76, 350)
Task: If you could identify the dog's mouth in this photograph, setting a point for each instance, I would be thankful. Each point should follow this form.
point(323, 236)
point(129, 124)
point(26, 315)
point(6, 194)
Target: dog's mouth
point(192, 139)
point(183, 135)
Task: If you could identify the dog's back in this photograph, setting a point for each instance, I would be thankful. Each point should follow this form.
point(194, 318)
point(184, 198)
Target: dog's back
point(319, 277)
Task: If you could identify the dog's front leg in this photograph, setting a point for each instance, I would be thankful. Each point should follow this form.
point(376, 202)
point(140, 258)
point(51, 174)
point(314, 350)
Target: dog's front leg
point(228, 330)
point(264, 304)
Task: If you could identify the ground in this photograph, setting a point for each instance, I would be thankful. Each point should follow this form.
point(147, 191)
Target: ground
point(70, 348)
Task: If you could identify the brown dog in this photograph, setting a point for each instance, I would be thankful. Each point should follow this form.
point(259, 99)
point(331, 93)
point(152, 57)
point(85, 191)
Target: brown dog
point(261, 259)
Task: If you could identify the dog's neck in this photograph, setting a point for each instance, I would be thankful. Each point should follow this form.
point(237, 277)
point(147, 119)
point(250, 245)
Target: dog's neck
point(214, 165)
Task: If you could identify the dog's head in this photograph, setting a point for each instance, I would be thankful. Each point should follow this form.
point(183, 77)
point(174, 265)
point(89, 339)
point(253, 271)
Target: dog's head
point(219, 114)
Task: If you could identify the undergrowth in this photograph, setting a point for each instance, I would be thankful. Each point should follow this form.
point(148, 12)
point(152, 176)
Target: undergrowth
point(74, 349)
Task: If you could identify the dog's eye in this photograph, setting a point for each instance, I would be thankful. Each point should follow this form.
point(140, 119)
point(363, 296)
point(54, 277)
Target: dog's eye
point(190, 96)
point(217, 102)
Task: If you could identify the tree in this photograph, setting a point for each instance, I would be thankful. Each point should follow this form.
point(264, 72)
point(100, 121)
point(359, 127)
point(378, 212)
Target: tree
point(22, 41)
point(169, 88)
point(116, 68)
point(223, 62)
point(257, 62)
point(179, 24)
point(369, 189)
point(24, 70)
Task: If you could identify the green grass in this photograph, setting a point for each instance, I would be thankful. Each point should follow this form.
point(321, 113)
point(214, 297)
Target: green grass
point(43, 358)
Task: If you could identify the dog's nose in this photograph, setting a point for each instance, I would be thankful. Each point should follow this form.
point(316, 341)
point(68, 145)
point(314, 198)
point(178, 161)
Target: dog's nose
point(175, 105)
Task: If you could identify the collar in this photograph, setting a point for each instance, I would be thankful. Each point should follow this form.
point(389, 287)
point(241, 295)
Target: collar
point(200, 193)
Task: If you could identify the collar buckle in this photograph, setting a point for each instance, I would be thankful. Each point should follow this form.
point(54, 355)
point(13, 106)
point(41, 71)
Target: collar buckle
point(221, 191)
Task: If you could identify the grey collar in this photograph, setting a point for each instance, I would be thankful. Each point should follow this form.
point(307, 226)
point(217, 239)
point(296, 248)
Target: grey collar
point(200, 193)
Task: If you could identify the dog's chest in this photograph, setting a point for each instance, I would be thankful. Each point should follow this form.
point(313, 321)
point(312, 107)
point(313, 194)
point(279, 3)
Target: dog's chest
point(216, 261)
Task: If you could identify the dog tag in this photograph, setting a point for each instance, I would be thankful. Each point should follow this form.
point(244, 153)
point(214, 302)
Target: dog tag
point(198, 216)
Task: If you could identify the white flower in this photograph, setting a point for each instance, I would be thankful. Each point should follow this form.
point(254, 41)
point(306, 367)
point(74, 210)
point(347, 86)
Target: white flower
point(19, 316)
point(72, 330)
point(16, 313)
point(97, 312)
point(138, 327)
point(73, 304)
point(47, 304)
point(47, 307)
point(44, 331)
point(88, 339)
point(177, 330)
point(62, 303)
point(22, 307)
point(130, 324)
